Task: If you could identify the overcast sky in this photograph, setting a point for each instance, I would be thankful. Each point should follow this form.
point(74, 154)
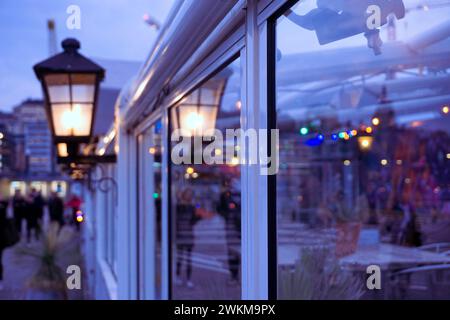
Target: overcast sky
point(112, 29)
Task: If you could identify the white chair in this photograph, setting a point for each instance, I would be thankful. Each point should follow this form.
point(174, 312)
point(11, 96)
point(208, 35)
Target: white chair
point(446, 253)
point(432, 281)
point(436, 247)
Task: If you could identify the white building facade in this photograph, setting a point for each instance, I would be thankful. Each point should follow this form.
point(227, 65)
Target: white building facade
point(363, 133)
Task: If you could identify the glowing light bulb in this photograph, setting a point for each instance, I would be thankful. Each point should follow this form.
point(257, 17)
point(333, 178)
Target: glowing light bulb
point(445, 109)
point(190, 170)
point(365, 143)
point(375, 121)
point(234, 161)
point(369, 129)
point(384, 162)
point(347, 163)
point(304, 131)
point(72, 119)
point(194, 121)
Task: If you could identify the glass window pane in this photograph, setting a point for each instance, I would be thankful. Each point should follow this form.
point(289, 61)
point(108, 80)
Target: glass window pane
point(150, 212)
point(72, 120)
point(205, 198)
point(81, 119)
point(195, 120)
point(83, 87)
point(61, 119)
point(58, 87)
point(211, 92)
point(364, 151)
point(83, 93)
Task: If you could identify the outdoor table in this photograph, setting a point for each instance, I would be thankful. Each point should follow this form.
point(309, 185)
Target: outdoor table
point(390, 258)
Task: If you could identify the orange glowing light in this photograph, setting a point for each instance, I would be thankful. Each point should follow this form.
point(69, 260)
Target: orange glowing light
point(369, 130)
point(190, 170)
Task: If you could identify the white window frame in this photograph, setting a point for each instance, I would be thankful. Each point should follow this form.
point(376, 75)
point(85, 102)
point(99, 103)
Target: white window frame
point(252, 48)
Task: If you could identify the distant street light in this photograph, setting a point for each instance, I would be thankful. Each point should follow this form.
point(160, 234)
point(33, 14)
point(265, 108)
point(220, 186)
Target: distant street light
point(152, 22)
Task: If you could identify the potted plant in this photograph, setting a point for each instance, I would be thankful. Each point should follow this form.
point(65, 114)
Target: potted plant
point(348, 225)
point(317, 275)
point(48, 282)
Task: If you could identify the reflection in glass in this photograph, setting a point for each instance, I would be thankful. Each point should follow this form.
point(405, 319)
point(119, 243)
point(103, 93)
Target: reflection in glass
point(205, 199)
point(150, 213)
point(364, 174)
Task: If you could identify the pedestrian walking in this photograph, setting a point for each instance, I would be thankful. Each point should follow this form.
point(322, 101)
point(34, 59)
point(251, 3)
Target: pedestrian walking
point(185, 222)
point(39, 203)
point(19, 209)
point(3, 240)
point(56, 209)
point(8, 233)
point(33, 215)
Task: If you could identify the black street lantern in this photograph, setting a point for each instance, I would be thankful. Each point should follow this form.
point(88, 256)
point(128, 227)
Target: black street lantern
point(70, 83)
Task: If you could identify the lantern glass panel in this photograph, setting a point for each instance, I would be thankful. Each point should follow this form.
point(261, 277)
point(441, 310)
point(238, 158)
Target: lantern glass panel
point(191, 98)
point(72, 120)
point(209, 115)
point(191, 122)
point(83, 87)
point(58, 87)
point(59, 114)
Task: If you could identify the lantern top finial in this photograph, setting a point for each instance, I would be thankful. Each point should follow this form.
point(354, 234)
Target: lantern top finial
point(70, 45)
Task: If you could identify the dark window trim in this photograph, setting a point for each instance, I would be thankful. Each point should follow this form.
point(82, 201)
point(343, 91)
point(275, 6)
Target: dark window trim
point(138, 214)
point(272, 124)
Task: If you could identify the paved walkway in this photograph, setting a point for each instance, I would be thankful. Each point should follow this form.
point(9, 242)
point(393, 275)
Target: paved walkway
point(19, 268)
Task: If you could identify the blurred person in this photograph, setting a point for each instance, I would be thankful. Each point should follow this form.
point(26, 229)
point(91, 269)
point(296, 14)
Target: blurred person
point(230, 210)
point(410, 234)
point(75, 204)
point(56, 209)
point(19, 210)
point(185, 220)
point(39, 204)
point(32, 215)
point(3, 214)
